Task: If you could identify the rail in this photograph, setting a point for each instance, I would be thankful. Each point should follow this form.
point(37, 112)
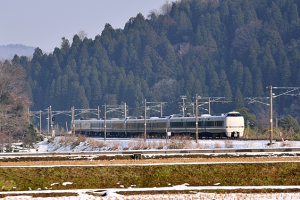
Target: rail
point(152, 152)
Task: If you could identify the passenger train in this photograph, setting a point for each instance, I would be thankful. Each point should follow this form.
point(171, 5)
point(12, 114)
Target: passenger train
point(229, 125)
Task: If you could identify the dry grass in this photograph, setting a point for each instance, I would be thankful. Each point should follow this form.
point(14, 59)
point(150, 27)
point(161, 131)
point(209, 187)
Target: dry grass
point(62, 140)
point(115, 146)
point(189, 144)
point(81, 138)
point(217, 145)
point(152, 144)
point(92, 142)
point(228, 144)
point(160, 144)
point(100, 143)
point(179, 159)
point(199, 146)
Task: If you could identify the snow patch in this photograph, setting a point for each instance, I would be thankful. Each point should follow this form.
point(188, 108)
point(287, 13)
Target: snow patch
point(67, 183)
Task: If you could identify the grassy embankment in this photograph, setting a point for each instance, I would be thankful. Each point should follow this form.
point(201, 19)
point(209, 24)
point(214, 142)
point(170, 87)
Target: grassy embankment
point(19, 179)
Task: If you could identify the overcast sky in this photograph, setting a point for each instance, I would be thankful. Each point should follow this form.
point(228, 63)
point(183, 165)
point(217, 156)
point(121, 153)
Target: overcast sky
point(42, 23)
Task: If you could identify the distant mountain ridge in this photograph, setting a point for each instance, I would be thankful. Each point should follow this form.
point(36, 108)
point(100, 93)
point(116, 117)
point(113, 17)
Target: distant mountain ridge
point(7, 52)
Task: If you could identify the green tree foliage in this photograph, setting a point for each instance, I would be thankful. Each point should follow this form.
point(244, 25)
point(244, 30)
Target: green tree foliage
point(248, 117)
point(289, 122)
point(230, 48)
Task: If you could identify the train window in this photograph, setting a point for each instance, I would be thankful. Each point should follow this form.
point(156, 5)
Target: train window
point(95, 125)
point(234, 115)
point(191, 124)
point(200, 123)
point(131, 125)
point(176, 124)
point(159, 124)
point(210, 123)
point(108, 125)
point(218, 123)
point(118, 125)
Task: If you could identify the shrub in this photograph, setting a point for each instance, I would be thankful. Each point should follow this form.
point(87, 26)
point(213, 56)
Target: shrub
point(217, 145)
point(81, 138)
point(228, 144)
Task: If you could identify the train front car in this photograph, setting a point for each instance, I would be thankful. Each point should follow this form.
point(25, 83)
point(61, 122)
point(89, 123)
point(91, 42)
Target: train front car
point(234, 124)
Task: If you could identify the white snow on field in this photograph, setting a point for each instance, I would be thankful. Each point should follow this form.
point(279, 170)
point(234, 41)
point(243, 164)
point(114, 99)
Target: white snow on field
point(112, 194)
point(153, 144)
point(118, 144)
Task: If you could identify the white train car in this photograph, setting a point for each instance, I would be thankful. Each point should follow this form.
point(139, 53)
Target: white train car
point(229, 125)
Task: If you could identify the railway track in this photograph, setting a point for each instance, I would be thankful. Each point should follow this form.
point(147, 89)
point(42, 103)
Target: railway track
point(155, 152)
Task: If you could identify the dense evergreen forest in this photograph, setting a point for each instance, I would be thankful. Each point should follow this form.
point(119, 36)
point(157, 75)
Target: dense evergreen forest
point(213, 48)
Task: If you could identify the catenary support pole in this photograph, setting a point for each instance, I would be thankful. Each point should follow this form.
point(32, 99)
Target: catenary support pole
point(161, 113)
point(40, 122)
point(105, 122)
point(51, 121)
point(48, 121)
point(125, 111)
point(196, 118)
point(271, 115)
point(209, 106)
point(145, 125)
point(73, 120)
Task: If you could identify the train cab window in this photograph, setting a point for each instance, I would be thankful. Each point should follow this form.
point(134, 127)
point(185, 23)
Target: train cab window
point(234, 115)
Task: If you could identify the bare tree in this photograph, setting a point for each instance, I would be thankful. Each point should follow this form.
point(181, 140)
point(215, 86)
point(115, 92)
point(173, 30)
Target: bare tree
point(14, 102)
point(82, 34)
point(153, 14)
point(166, 8)
point(3, 140)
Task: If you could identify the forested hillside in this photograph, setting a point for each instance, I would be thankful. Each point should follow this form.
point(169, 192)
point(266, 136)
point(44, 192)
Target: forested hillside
point(230, 48)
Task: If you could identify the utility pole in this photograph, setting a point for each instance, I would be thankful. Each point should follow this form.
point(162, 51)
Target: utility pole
point(51, 121)
point(145, 125)
point(105, 122)
point(125, 111)
point(48, 122)
point(40, 122)
point(66, 126)
point(73, 120)
point(197, 118)
point(161, 113)
point(271, 116)
point(98, 113)
point(183, 97)
point(247, 129)
point(209, 106)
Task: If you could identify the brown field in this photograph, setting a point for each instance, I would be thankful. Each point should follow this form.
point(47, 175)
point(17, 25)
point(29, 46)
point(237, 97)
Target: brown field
point(115, 161)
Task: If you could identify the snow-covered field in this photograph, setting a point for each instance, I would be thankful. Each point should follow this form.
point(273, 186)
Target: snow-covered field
point(98, 144)
point(112, 195)
point(130, 144)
